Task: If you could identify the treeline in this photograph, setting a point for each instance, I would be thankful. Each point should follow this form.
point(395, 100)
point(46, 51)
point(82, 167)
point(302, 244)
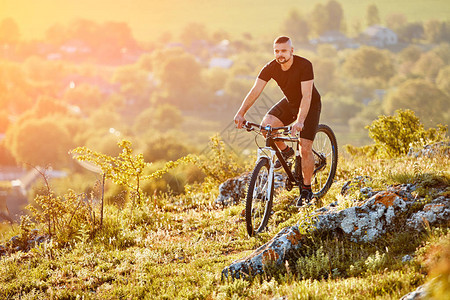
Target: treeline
point(92, 84)
point(330, 16)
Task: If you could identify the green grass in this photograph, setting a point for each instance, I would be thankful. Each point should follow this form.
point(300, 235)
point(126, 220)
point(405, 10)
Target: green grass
point(178, 249)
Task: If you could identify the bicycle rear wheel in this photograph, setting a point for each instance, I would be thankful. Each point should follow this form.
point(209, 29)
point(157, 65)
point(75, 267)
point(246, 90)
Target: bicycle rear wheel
point(325, 152)
point(259, 201)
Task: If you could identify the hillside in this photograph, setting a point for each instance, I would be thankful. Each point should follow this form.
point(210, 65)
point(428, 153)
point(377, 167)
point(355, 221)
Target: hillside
point(141, 221)
point(175, 247)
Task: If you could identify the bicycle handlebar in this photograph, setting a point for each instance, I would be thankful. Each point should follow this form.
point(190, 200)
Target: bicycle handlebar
point(250, 125)
point(287, 130)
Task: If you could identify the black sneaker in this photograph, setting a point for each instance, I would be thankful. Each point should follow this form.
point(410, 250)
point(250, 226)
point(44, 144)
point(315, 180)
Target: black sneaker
point(305, 197)
point(286, 155)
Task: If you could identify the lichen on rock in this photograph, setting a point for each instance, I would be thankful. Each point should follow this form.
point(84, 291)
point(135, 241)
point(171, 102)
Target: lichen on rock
point(385, 211)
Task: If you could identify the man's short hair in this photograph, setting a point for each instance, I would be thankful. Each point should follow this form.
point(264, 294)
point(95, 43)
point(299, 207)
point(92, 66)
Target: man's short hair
point(282, 40)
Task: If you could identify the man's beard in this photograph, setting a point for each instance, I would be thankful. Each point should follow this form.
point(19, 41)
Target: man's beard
point(283, 60)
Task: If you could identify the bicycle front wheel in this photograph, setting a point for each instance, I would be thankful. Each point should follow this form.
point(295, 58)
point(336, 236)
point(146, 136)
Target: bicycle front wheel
point(258, 205)
point(325, 152)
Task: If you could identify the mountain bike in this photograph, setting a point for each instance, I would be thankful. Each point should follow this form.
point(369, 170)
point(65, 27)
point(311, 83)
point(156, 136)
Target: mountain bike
point(259, 200)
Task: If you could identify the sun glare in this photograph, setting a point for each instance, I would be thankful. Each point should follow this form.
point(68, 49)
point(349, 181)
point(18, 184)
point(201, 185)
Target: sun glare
point(35, 17)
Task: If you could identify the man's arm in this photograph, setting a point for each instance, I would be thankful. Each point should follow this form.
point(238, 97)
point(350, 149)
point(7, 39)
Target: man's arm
point(307, 88)
point(249, 100)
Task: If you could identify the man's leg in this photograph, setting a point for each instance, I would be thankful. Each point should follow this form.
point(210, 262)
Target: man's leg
point(307, 160)
point(274, 122)
point(307, 170)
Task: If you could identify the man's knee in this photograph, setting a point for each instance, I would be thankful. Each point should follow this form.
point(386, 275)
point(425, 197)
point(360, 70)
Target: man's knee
point(272, 121)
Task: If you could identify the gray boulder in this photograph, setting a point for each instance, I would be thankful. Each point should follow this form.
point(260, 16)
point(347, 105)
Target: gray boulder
point(367, 221)
point(233, 190)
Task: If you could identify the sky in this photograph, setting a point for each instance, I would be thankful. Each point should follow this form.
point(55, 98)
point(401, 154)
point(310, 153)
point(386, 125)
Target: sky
point(143, 16)
point(150, 18)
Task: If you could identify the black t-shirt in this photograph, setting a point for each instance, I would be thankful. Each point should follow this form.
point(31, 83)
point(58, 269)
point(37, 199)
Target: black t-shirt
point(290, 81)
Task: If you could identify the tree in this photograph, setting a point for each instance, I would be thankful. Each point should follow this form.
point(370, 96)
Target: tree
point(367, 115)
point(45, 71)
point(107, 42)
point(395, 21)
point(443, 51)
point(443, 80)
point(410, 32)
point(428, 65)
point(165, 147)
point(16, 92)
point(9, 31)
point(409, 54)
point(87, 97)
point(436, 31)
point(6, 158)
point(40, 142)
point(424, 98)
point(104, 119)
point(4, 121)
point(324, 73)
point(84, 30)
point(179, 79)
point(317, 19)
point(113, 40)
point(235, 88)
point(215, 77)
point(407, 58)
point(47, 106)
point(335, 15)
point(369, 62)
point(219, 36)
point(135, 83)
point(145, 62)
point(326, 17)
point(327, 51)
point(339, 109)
point(180, 74)
point(193, 32)
point(296, 26)
point(372, 15)
point(162, 118)
point(116, 35)
point(57, 34)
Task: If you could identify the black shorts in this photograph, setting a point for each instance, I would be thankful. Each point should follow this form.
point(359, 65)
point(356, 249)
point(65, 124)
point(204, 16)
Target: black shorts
point(287, 114)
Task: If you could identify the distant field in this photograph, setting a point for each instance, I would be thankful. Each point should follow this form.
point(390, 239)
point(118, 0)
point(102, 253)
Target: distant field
point(149, 18)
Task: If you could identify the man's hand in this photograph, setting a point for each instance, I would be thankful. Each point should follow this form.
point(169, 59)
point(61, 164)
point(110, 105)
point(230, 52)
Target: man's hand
point(297, 128)
point(239, 120)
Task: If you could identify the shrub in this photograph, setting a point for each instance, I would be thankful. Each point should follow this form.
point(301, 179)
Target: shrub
point(127, 169)
point(317, 266)
point(217, 164)
point(63, 216)
point(395, 135)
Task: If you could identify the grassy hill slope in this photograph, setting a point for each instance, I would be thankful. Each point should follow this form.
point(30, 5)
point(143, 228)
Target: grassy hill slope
point(175, 247)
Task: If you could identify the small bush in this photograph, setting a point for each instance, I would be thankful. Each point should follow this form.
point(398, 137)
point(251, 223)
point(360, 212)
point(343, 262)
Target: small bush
point(63, 216)
point(316, 266)
point(397, 134)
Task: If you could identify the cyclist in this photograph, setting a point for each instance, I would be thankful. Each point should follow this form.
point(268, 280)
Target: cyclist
point(300, 106)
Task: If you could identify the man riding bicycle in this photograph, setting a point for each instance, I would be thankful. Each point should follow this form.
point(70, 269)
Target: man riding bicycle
point(300, 106)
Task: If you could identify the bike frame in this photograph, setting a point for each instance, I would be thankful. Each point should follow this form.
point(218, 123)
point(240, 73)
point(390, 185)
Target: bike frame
point(270, 151)
point(260, 192)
